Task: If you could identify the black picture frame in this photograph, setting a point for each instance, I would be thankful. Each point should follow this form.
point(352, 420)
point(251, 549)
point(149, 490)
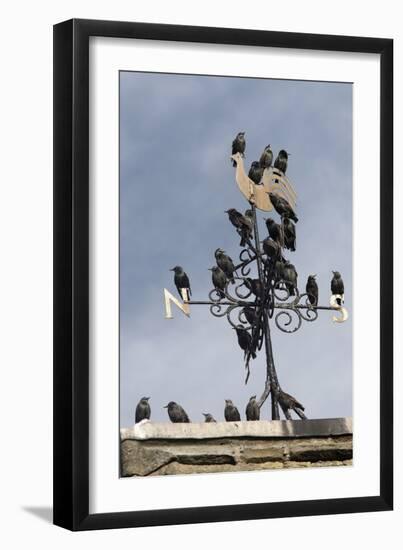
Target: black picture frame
point(71, 274)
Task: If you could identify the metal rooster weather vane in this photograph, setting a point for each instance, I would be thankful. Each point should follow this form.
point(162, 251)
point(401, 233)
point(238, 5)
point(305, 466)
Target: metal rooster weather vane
point(250, 304)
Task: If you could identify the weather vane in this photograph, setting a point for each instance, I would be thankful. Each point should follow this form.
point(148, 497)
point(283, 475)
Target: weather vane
point(251, 303)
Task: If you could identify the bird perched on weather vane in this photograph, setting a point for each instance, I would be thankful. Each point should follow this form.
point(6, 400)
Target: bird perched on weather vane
point(290, 237)
point(225, 263)
point(271, 248)
point(219, 280)
point(181, 281)
point(312, 290)
point(250, 315)
point(290, 278)
point(248, 345)
point(238, 145)
point(281, 161)
point(275, 231)
point(242, 223)
point(266, 157)
point(282, 207)
point(337, 285)
point(255, 286)
point(256, 172)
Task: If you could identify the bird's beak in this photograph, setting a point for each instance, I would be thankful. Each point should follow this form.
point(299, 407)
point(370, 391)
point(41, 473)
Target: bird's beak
point(225, 211)
point(165, 407)
point(209, 269)
point(148, 398)
point(172, 269)
point(333, 272)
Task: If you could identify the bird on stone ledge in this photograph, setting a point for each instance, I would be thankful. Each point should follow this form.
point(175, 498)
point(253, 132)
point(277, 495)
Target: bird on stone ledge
point(176, 413)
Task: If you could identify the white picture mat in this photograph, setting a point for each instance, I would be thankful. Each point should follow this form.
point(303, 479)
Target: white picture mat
point(108, 493)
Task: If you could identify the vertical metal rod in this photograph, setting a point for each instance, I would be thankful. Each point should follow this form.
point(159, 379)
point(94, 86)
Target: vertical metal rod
point(270, 368)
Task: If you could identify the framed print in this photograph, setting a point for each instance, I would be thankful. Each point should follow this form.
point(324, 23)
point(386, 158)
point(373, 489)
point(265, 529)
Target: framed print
point(223, 303)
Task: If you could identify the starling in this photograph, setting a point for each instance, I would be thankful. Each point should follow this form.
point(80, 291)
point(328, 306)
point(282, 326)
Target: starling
point(288, 402)
point(181, 281)
point(209, 417)
point(289, 234)
point(238, 145)
point(248, 344)
point(247, 227)
point(255, 286)
point(250, 315)
point(245, 341)
point(255, 172)
point(176, 413)
point(143, 409)
point(281, 161)
point(266, 158)
point(242, 223)
point(282, 207)
point(278, 270)
point(225, 263)
point(271, 248)
point(252, 409)
point(250, 216)
point(290, 277)
point(275, 231)
point(219, 280)
point(235, 217)
point(231, 413)
point(312, 290)
point(337, 285)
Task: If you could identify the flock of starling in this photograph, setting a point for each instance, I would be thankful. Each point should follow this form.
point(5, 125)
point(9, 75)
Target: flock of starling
point(278, 271)
point(266, 159)
point(177, 413)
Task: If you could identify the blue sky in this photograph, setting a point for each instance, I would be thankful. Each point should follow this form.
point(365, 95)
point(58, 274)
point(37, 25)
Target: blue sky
point(176, 180)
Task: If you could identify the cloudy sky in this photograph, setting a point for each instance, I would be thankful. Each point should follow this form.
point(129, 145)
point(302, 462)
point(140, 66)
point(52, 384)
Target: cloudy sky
point(176, 180)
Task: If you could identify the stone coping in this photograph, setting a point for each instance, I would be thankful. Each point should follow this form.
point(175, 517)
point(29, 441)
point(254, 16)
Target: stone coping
point(323, 427)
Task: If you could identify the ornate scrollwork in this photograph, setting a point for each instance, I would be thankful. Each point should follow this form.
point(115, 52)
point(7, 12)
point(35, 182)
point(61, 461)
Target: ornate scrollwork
point(290, 319)
point(282, 293)
point(221, 310)
point(291, 316)
point(215, 296)
point(308, 313)
point(246, 258)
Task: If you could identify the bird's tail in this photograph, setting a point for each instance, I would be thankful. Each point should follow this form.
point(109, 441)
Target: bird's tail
point(247, 372)
point(299, 413)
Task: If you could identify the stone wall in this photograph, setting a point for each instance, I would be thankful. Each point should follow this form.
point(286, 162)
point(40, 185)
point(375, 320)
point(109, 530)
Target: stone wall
point(161, 449)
